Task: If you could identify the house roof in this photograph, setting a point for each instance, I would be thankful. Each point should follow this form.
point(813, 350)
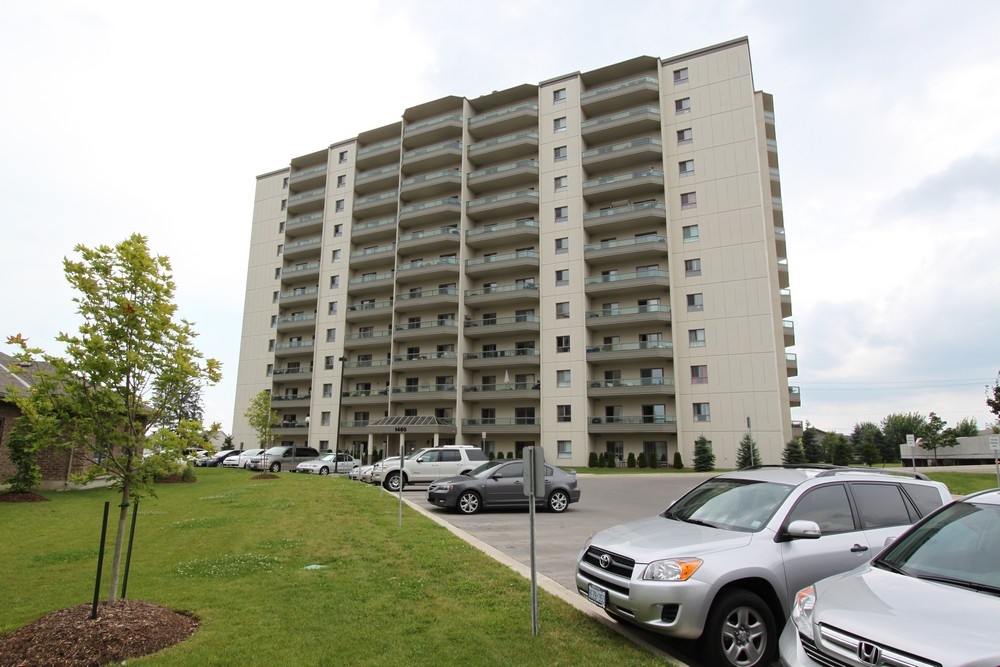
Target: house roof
point(10, 380)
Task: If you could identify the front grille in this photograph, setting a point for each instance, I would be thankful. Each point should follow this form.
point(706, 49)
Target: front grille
point(842, 649)
point(620, 565)
point(810, 649)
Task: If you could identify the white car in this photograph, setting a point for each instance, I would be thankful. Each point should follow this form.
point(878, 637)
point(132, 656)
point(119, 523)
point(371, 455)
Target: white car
point(426, 465)
point(241, 461)
point(326, 464)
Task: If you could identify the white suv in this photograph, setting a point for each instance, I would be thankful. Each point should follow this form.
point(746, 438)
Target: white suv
point(427, 465)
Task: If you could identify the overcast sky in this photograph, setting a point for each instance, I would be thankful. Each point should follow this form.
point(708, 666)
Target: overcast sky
point(121, 116)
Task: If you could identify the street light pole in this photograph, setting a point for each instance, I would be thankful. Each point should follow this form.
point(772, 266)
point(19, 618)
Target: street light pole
point(340, 400)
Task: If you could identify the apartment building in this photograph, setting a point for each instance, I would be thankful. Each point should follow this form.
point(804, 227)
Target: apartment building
point(594, 263)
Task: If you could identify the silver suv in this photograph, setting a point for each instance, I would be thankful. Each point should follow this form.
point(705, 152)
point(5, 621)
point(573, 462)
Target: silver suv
point(275, 458)
point(427, 465)
point(724, 561)
point(943, 572)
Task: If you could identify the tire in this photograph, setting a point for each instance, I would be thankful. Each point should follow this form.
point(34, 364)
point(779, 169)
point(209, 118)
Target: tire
point(324, 471)
point(739, 632)
point(468, 502)
point(275, 467)
point(393, 482)
point(557, 501)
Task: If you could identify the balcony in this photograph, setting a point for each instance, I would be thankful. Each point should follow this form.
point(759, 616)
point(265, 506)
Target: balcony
point(359, 312)
point(437, 129)
point(303, 224)
point(508, 147)
point(508, 358)
point(375, 180)
point(499, 326)
point(512, 391)
point(375, 255)
point(510, 175)
point(435, 329)
point(622, 156)
point(525, 292)
point(366, 339)
point(785, 298)
point(445, 181)
point(301, 271)
point(642, 120)
point(291, 428)
point(524, 260)
point(296, 322)
point(384, 228)
point(615, 318)
point(424, 361)
point(371, 282)
point(618, 352)
point(425, 392)
point(646, 246)
point(435, 156)
point(508, 232)
point(783, 273)
point(376, 155)
point(378, 204)
point(364, 397)
point(794, 397)
point(622, 93)
point(633, 424)
point(791, 365)
point(423, 299)
point(618, 283)
point(430, 212)
point(502, 425)
point(305, 248)
point(309, 200)
point(788, 328)
point(428, 269)
point(431, 239)
point(308, 178)
point(293, 348)
point(298, 296)
point(647, 182)
point(633, 387)
point(625, 217)
point(508, 203)
point(509, 119)
point(293, 373)
point(366, 368)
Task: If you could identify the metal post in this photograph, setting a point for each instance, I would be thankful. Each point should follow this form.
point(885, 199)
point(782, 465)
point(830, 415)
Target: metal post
point(100, 559)
point(128, 554)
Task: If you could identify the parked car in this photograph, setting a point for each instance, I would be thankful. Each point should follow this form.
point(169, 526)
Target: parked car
point(426, 465)
point(501, 484)
point(374, 476)
point(357, 473)
point(932, 597)
point(242, 460)
point(723, 561)
point(287, 457)
point(216, 460)
point(327, 463)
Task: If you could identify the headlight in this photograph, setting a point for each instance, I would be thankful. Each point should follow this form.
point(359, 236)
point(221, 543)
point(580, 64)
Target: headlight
point(802, 610)
point(672, 569)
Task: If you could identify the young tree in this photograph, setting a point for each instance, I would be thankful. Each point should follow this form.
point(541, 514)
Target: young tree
point(794, 452)
point(748, 454)
point(966, 428)
point(704, 458)
point(867, 440)
point(895, 428)
point(262, 417)
point(838, 449)
point(102, 397)
point(993, 398)
point(934, 435)
point(810, 445)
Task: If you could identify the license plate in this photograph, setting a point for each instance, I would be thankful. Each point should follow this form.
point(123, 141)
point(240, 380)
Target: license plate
point(598, 596)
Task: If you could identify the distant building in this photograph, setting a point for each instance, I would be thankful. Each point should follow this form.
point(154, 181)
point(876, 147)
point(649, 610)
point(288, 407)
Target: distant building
point(970, 450)
point(594, 263)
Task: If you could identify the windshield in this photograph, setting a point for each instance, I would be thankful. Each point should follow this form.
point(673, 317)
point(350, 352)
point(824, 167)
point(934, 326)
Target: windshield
point(959, 545)
point(731, 504)
point(485, 470)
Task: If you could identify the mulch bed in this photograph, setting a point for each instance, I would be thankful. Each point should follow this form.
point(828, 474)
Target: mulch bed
point(70, 638)
point(11, 497)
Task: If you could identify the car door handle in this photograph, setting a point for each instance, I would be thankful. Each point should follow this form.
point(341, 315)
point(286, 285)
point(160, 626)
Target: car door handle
point(858, 549)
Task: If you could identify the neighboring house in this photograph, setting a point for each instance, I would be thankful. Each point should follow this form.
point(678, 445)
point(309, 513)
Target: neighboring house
point(56, 464)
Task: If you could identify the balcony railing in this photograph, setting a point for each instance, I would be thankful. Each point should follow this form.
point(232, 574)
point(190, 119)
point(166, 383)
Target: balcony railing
point(520, 254)
point(277, 398)
point(619, 87)
point(500, 113)
point(633, 310)
point(371, 305)
point(374, 251)
point(493, 321)
point(503, 168)
point(367, 363)
point(303, 220)
point(509, 386)
point(308, 194)
point(441, 291)
point(292, 371)
point(294, 345)
point(615, 117)
point(305, 173)
point(620, 210)
point(364, 335)
point(507, 196)
point(426, 234)
point(422, 388)
point(420, 263)
point(488, 229)
point(636, 382)
point(616, 148)
point(370, 278)
point(296, 318)
point(431, 324)
point(623, 178)
point(624, 243)
point(503, 421)
point(377, 148)
point(424, 124)
point(498, 354)
point(632, 275)
point(625, 347)
point(638, 419)
point(423, 356)
point(499, 289)
point(499, 141)
point(433, 148)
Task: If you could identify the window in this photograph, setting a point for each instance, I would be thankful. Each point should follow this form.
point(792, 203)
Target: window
point(562, 277)
point(270, 369)
point(562, 310)
point(699, 374)
point(564, 413)
point(327, 390)
point(339, 206)
point(564, 449)
point(682, 105)
point(695, 302)
point(559, 95)
point(338, 230)
point(562, 245)
point(561, 182)
point(274, 320)
point(702, 413)
point(560, 153)
point(681, 75)
point(281, 248)
point(880, 505)
point(341, 181)
point(828, 506)
point(524, 415)
point(274, 297)
point(284, 184)
point(324, 419)
point(562, 343)
point(284, 204)
point(277, 272)
point(559, 124)
point(696, 337)
point(335, 256)
point(562, 214)
point(563, 378)
point(685, 167)
point(684, 136)
point(692, 267)
point(334, 281)
point(689, 200)
point(690, 233)
point(343, 157)
point(328, 362)
point(270, 345)
point(331, 335)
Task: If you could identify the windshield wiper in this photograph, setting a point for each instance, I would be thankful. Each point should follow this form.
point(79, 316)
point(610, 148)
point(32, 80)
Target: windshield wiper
point(886, 565)
point(972, 585)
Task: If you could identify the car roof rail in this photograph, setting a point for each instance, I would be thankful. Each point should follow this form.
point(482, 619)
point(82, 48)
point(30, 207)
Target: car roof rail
point(874, 471)
point(790, 466)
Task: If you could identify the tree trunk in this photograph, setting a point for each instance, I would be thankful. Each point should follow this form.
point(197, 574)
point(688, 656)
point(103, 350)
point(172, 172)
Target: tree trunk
point(116, 559)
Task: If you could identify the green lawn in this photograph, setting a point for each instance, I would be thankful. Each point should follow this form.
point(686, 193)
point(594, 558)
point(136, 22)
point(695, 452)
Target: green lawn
point(233, 551)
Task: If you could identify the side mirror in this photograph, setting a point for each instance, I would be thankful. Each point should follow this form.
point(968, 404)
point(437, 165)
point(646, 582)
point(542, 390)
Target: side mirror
point(803, 529)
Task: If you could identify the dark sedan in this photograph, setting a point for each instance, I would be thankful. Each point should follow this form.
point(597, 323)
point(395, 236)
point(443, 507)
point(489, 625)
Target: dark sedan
point(501, 484)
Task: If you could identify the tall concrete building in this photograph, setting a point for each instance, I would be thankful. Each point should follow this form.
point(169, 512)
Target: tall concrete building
point(594, 263)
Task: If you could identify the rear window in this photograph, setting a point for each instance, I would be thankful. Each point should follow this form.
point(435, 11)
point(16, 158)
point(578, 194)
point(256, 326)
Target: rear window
point(880, 505)
point(476, 454)
point(926, 498)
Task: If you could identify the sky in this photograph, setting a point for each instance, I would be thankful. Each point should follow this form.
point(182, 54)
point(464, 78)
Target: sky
point(119, 117)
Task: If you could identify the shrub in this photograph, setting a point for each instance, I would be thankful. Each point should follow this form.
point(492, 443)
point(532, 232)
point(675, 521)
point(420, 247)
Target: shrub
point(631, 460)
point(187, 475)
point(592, 460)
point(678, 464)
point(492, 456)
point(704, 458)
point(641, 462)
point(510, 455)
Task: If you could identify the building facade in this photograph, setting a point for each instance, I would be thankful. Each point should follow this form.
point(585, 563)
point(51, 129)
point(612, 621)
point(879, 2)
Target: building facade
point(595, 263)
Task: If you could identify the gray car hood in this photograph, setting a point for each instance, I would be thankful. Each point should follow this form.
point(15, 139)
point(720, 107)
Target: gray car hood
point(655, 537)
point(939, 622)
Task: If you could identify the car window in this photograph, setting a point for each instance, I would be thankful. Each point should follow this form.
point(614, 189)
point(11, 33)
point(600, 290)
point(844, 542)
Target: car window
point(828, 506)
point(486, 469)
point(515, 469)
point(430, 457)
point(926, 498)
point(476, 454)
point(880, 505)
point(450, 455)
point(732, 504)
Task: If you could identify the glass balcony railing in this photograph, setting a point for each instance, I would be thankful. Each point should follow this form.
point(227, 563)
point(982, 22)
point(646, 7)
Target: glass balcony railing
point(503, 168)
point(442, 291)
point(370, 278)
point(632, 275)
point(376, 250)
point(444, 173)
point(302, 268)
point(625, 243)
point(619, 116)
point(635, 382)
point(500, 113)
point(638, 419)
point(294, 345)
point(493, 321)
point(520, 254)
point(308, 194)
point(305, 173)
point(433, 148)
point(426, 234)
point(617, 148)
point(503, 421)
point(623, 178)
point(432, 324)
point(489, 229)
point(503, 354)
point(440, 120)
point(499, 141)
point(447, 201)
point(634, 310)
point(423, 356)
point(424, 263)
point(629, 347)
point(370, 305)
point(619, 87)
point(378, 148)
point(503, 289)
point(622, 210)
